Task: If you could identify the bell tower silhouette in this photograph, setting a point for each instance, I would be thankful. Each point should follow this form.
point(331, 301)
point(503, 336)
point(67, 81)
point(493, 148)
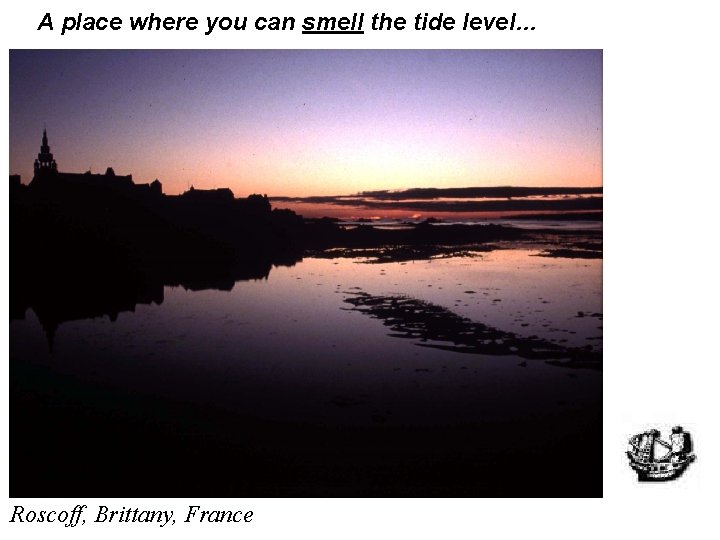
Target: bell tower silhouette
point(45, 161)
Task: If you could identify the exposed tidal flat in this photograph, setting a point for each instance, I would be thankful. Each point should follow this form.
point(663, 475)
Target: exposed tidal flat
point(466, 372)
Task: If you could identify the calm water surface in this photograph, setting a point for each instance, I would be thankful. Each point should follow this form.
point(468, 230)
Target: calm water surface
point(291, 349)
point(284, 387)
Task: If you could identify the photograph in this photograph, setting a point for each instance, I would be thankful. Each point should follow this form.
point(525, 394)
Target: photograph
point(306, 273)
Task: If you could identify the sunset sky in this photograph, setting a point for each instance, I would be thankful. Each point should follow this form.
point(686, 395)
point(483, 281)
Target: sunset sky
point(316, 122)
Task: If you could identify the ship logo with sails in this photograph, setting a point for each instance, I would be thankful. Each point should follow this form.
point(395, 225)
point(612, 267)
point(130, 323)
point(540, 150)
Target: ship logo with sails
point(654, 459)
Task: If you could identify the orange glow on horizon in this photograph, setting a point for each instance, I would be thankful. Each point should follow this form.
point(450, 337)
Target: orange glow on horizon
point(313, 122)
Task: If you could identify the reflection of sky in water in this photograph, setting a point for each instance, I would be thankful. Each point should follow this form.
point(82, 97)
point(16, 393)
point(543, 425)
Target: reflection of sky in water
point(396, 211)
point(288, 347)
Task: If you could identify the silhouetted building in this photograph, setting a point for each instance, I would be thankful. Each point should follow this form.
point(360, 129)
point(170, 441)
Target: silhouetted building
point(45, 161)
point(213, 196)
point(48, 176)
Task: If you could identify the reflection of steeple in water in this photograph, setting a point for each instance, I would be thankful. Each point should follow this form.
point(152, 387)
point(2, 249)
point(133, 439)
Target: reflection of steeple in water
point(55, 304)
point(67, 297)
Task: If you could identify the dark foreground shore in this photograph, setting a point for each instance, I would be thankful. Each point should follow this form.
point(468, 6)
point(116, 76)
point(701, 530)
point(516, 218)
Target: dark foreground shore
point(72, 439)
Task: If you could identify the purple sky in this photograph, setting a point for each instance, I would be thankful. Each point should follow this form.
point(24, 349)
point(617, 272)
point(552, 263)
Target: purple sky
point(316, 122)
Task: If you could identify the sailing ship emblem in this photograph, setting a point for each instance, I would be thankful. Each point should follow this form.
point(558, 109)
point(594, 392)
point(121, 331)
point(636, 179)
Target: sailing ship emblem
point(656, 460)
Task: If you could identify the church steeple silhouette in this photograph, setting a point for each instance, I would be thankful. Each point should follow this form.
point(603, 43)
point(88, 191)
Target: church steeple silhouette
point(45, 160)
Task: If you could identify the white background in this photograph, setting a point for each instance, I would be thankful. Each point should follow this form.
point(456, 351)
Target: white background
point(660, 133)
